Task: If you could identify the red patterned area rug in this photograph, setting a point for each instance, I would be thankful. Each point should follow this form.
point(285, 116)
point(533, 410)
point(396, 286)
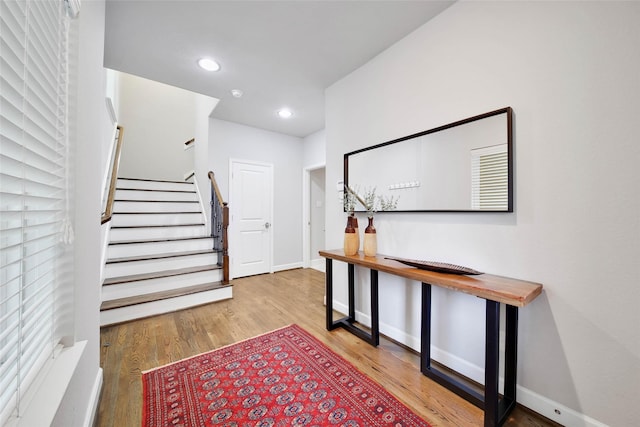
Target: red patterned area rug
point(282, 378)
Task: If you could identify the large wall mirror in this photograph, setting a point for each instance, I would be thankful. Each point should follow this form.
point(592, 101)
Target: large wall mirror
point(465, 166)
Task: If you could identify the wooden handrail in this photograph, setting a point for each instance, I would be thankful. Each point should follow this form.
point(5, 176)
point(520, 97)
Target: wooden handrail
point(108, 212)
point(219, 227)
point(214, 185)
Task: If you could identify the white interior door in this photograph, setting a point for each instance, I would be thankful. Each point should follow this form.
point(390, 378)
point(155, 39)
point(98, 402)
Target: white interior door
point(251, 222)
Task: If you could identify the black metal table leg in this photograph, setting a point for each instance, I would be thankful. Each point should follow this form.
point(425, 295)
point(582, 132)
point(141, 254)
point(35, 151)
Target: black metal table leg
point(491, 364)
point(347, 322)
point(328, 292)
point(496, 409)
point(510, 361)
point(375, 314)
point(433, 372)
point(425, 328)
point(352, 293)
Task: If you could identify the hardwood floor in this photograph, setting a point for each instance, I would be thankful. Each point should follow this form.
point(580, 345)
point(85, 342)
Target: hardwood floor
point(261, 304)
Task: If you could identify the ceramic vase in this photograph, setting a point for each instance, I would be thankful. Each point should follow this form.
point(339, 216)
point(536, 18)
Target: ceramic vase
point(350, 238)
point(370, 240)
point(354, 224)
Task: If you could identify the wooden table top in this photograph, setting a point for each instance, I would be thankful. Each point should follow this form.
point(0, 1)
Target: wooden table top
point(495, 288)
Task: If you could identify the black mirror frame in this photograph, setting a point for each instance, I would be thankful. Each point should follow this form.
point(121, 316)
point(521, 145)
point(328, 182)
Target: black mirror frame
point(509, 113)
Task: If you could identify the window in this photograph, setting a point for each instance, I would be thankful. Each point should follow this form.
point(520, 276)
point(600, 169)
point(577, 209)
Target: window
point(490, 178)
point(33, 175)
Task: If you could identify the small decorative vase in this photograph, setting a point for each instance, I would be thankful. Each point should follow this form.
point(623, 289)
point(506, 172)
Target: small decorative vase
point(370, 240)
point(354, 224)
point(350, 238)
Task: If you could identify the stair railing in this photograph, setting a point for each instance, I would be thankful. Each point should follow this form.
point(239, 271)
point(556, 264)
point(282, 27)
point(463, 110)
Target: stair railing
point(219, 227)
point(113, 176)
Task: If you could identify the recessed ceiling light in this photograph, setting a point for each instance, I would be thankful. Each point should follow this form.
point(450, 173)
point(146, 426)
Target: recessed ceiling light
point(285, 113)
point(237, 93)
point(209, 64)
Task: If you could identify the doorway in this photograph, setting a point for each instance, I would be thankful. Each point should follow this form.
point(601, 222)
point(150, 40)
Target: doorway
point(314, 217)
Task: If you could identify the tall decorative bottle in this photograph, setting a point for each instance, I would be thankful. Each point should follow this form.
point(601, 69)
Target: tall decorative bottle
point(354, 224)
point(350, 238)
point(370, 239)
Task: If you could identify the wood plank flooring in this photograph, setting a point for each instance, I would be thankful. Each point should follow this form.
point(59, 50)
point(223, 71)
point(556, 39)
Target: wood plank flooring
point(261, 304)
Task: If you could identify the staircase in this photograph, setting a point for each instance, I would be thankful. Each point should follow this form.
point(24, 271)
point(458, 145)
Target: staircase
point(159, 258)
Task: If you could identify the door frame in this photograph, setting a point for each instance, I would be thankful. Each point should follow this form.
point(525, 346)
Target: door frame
point(306, 211)
point(233, 208)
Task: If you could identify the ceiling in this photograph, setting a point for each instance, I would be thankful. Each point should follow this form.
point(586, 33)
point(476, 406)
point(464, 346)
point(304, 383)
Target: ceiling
point(279, 53)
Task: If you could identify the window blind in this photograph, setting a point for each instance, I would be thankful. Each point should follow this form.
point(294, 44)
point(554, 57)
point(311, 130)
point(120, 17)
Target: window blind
point(33, 144)
point(489, 178)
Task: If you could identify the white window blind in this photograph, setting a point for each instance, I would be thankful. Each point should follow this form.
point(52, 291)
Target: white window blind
point(33, 144)
point(490, 178)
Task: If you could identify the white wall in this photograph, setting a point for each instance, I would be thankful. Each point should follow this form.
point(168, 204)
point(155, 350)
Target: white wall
point(314, 149)
point(111, 93)
point(157, 119)
point(229, 140)
point(204, 107)
point(570, 72)
point(90, 129)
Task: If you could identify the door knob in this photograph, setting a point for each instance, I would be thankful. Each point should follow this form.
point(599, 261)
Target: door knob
point(267, 225)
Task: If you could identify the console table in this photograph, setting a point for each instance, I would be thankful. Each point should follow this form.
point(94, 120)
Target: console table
point(495, 290)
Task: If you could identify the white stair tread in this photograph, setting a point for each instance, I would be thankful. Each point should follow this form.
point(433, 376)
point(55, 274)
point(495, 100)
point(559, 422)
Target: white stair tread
point(140, 287)
point(152, 190)
point(152, 213)
point(164, 232)
point(124, 314)
point(152, 219)
point(140, 194)
point(149, 184)
point(159, 256)
point(156, 296)
point(158, 206)
point(158, 274)
point(155, 226)
point(176, 239)
point(153, 247)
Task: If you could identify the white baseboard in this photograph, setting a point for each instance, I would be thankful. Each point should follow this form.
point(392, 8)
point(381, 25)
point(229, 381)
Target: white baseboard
point(94, 400)
point(318, 264)
point(532, 400)
point(283, 267)
point(553, 410)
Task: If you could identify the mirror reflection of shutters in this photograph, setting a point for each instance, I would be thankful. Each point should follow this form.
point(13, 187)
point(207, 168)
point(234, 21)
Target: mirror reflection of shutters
point(489, 178)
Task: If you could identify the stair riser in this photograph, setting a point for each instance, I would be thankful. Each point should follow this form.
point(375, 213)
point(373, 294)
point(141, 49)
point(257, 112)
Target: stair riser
point(152, 248)
point(140, 220)
point(123, 194)
point(134, 210)
point(146, 206)
point(154, 185)
point(150, 266)
point(165, 306)
point(143, 287)
point(125, 234)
